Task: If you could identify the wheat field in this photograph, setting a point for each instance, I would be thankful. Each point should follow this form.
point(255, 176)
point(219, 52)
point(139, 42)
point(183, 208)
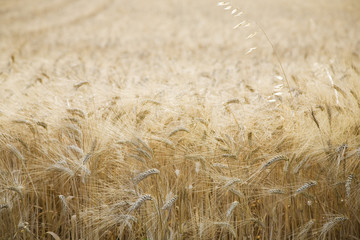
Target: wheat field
point(186, 119)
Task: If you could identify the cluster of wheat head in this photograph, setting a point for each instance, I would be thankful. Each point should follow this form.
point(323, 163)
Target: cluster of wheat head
point(159, 174)
point(283, 165)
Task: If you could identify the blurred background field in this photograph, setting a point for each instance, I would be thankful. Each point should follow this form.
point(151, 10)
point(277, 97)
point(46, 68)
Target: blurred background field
point(143, 47)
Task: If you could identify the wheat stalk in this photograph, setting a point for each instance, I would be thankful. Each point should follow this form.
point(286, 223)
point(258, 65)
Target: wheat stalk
point(180, 129)
point(76, 112)
point(165, 141)
point(144, 153)
point(42, 124)
point(137, 157)
point(274, 160)
point(74, 227)
point(276, 191)
point(18, 190)
point(60, 167)
point(300, 165)
point(255, 220)
point(145, 145)
point(16, 152)
point(64, 203)
point(348, 185)
point(78, 85)
point(54, 235)
point(220, 165)
point(150, 101)
point(76, 149)
point(231, 208)
point(305, 187)
point(341, 153)
point(232, 101)
point(233, 156)
point(244, 23)
point(86, 158)
point(169, 203)
point(332, 84)
point(127, 217)
point(145, 174)
point(140, 201)
point(237, 193)
point(228, 226)
point(26, 122)
point(305, 229)
point(232, 182)
point(4, 206)
point(331, 224)
point(149, 235)
point(6, 136)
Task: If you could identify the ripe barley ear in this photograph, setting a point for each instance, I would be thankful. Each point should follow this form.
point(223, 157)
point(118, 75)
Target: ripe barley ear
point(305, 229)
point(305, 187)
point(231, 208)
point(145, 174)
point(348, 185)
point(331, 224)
point(169, 203)
point(140, 201)
point(274, 160)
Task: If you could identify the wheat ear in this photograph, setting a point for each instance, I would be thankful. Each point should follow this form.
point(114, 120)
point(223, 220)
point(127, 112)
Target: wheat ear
point(276, 191)
point(76, 112)
point(331, 224)
point(228, 226)
point(237, 193)
point(145, 174)
point(273, 160)
point(64, 203)
point(169, 203)
point(230, 210)
point(306, 228)
point(180, 129)
point(348, 185)
point(305, 187)
point(300, 165)
point(16, 152)
point(232, 182)
point(140, 201)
